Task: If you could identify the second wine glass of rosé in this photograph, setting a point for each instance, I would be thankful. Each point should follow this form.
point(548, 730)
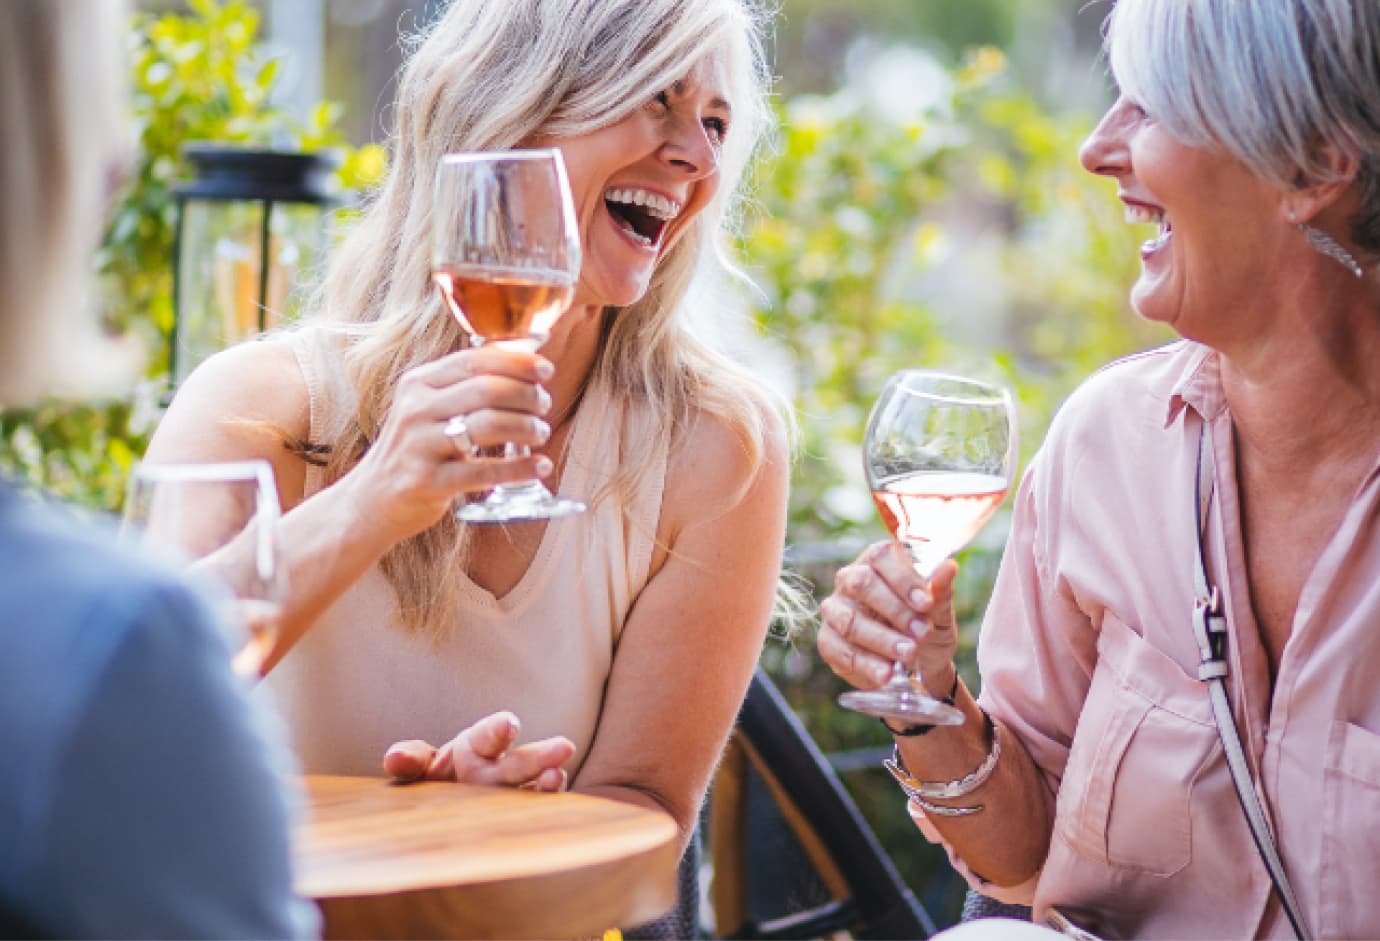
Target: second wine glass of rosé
point(940, 454)
point(219, 523)
point(505, 255)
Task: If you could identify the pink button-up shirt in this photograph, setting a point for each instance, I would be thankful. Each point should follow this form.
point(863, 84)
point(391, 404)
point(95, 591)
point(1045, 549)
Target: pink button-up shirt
point(1087, 653)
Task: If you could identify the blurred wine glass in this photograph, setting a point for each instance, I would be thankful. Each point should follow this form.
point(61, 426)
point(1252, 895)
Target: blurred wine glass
point(220, 523)
point(506, 255)
point(940, 453)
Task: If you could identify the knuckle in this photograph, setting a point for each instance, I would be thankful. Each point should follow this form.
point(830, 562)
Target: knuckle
point(874, 553)
point(854, 580)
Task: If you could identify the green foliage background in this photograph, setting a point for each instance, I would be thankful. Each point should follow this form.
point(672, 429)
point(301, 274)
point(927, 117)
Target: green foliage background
point(859, 217)
point(194, 76)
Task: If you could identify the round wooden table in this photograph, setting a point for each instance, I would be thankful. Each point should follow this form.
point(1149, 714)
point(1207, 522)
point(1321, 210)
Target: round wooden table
point(442, 860)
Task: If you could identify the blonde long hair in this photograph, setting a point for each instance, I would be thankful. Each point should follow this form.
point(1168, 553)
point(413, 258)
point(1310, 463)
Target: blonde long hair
point(488, 75)
point(62, 100)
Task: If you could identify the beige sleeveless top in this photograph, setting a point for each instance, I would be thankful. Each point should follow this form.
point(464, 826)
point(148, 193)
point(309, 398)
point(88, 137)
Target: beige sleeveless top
point(358, 682)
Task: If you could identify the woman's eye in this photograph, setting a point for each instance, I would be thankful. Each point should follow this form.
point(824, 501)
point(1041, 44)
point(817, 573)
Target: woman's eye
point(661, 100)
point(718, 129)
point(1139, 110)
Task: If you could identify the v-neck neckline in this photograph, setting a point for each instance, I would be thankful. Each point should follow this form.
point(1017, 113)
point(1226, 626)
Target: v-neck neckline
point(574, 483)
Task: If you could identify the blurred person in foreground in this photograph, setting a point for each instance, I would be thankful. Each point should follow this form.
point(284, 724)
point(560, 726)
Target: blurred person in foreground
point(141, 789)
point(1250, 134)
point(606, 652)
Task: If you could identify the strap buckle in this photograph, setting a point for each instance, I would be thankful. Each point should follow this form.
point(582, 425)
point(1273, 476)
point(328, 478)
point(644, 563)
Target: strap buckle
point(1211, 634)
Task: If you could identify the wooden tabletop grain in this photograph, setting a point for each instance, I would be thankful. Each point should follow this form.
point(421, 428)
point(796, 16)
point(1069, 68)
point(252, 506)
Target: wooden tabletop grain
point(441, 860)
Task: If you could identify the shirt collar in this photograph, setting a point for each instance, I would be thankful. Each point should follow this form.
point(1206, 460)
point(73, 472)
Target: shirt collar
point(1198, 387)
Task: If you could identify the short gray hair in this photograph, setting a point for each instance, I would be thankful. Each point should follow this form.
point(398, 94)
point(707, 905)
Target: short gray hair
point(1266, 81)
point(62, 107)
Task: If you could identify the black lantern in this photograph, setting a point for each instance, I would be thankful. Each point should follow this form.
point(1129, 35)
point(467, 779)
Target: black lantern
point(248, 224)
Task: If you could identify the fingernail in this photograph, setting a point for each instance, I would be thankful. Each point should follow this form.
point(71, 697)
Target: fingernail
point(544, 403)
point(545, 370)
point(544, 466)
point(904, 649)
point(513, 726)
point(919, 598)
point(541, 429)
point(918, 627)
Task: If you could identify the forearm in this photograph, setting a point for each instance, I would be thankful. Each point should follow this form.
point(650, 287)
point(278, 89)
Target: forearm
point(328, 542)
point(1006, 842)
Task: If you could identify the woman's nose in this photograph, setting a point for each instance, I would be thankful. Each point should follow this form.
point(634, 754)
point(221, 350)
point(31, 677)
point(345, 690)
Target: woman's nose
point(1105, 150)
point(690, 150)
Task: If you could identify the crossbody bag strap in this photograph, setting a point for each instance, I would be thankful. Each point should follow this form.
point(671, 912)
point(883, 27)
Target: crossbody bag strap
point(1210, 630)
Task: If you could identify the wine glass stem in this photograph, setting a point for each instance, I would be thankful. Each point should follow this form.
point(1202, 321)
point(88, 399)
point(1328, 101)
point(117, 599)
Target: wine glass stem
point(900, 676)
point(511, 451)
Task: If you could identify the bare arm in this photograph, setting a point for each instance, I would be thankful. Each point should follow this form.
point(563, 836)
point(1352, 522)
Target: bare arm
point(403, 484)
point(689, 646)
point(866, 624)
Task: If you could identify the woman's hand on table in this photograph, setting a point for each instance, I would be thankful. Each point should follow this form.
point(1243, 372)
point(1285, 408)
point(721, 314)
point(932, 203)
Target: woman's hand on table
point(412, 473)
point(484, 754)
point(883, 611)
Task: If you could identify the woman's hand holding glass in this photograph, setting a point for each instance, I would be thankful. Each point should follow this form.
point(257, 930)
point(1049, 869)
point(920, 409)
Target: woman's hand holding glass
point(414, 471)
point(505, 249)
point(882, 612)
point(939, 453)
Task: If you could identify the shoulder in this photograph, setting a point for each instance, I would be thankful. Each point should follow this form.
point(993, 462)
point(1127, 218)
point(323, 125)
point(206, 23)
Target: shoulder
point(716, 463)
point(71, 600)
point(114, 678)
point(53, 549)
point(260, 379)
point(1128, 395)
point(242, 403)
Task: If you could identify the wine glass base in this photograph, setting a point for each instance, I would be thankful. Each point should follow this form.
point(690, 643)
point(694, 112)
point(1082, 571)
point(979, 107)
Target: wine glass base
point(892, 702)
point(518, 511)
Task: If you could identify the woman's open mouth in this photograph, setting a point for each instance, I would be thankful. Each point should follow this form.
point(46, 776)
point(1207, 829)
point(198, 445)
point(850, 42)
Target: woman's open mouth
point(1139, 213)
point(642, 214)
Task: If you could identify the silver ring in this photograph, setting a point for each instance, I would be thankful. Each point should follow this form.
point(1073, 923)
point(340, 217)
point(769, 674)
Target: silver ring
point(459, 436)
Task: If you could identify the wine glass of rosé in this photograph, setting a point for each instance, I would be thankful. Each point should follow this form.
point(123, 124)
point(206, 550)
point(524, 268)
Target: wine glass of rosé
point(940, 453)
point(220, 523)
point(505, 254)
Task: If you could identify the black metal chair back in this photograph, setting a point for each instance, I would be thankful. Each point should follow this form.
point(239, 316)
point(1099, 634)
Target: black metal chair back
point(793, 856)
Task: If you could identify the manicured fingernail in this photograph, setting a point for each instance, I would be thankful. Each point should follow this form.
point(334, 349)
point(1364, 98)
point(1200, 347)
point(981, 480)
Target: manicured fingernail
point(544, 466)
point(543, 403)
point(541, 429)
point(918, 627)
point(545, 370)
point(919, 598)
point(513, 726)
point(904, 649)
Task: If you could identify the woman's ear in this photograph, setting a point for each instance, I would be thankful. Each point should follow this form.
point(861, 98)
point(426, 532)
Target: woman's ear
point(1310, 198)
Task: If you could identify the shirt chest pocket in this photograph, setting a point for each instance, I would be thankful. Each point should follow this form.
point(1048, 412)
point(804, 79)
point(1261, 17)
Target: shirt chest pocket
point(1143, 738)
point(1351, 839)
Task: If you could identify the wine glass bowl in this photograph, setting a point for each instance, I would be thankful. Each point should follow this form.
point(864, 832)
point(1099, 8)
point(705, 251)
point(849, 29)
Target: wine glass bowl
point(505, 258)
point(939, 454)
point(218, 522)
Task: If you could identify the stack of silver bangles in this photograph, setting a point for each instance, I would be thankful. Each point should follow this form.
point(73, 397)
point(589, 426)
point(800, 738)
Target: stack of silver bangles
point(921, 793)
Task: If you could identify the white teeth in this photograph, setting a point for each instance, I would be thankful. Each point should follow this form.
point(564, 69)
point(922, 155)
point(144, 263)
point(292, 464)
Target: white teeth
point(1158, 242)
point(1139, 214)
point(654, 203)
